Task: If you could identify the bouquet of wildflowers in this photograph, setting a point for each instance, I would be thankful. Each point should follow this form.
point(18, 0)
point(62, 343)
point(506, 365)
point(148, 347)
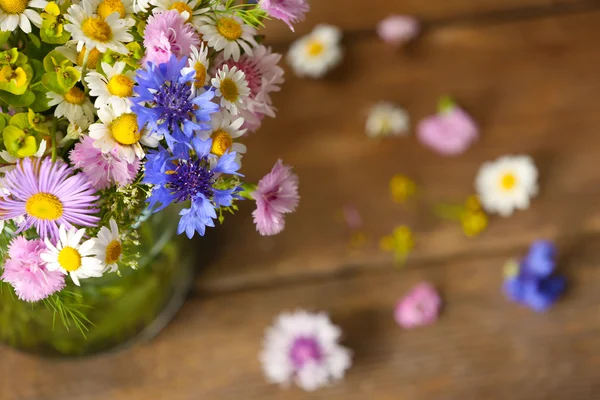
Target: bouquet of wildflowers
point(113, 110)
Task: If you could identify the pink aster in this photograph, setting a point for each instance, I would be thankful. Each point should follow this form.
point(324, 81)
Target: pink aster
point(167, 33)
point(419, 307)
point(288, 11)
point(450, 132)
point(264, 76)
point(102, 169)
point(398, 29)
point(276, 195)
point(26, 271)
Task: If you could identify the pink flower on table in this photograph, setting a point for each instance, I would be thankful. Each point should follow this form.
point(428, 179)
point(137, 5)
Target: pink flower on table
point(167, 33)
point(26, 271)
point(419, 307)
point(276, 195)
point(288, 11)
point(398, 29)
point(102, 170)
point(450, 132)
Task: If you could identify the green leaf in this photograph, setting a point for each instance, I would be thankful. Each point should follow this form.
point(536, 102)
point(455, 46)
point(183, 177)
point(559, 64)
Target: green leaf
point(53, 32)
point(15, 80)
point(67, 77)
point(40, 103)
point(34, 40)
point(4, 36)
point(14, 100)
point(55, 59)
point(9, 56)
point(20, 121)
point(50, 82)
point(38, 70)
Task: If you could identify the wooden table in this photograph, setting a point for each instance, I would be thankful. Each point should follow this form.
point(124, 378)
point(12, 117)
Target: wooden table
point(529, 72)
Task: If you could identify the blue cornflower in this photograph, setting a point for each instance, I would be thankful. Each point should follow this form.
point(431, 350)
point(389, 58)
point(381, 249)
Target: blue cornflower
point(166, 104)
point(188, 176)
point(534, 282)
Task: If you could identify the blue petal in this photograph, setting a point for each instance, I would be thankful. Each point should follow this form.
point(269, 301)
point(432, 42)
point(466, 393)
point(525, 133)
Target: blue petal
point(227, 164)
point(540, 260)
point(197, 217)
point(202, 147)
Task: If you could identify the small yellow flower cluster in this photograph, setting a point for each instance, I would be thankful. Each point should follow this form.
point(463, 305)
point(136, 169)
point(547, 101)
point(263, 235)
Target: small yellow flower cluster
point(402, 188)
point(473, 219)
point(400, 242)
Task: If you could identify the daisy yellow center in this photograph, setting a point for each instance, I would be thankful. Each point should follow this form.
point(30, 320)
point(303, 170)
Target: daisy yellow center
point(97, 29)
point(314, 48)
point(229, 89)
point(69, 259)
point(113, 252)
point(13, 6)
point(125, 129)
point(181, 7)
point(120, 85)
point(508, 181)
point(229, 28)
point(93, 58)
point(221, 142)
point(200, 74)
point(44, 206)
point(107, 7)
point(75, 96)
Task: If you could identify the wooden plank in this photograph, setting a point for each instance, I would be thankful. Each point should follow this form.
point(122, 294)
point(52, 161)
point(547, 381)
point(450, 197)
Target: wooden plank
point(482, 347)
point(356, 16)
point(532, 85)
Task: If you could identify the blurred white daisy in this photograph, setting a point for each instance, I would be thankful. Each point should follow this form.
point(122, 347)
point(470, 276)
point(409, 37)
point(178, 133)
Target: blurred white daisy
point(507, 184)
point(20, 13)
point(93, 31)
point(198, 62)
point(224, 131)
point(232, 88)
point(71, 257)
point(115, 86)
point(386, 119)
point(189, 6)
point(316, 53)
point(118, 130)
point(227, 33)
point(303, 348)
point(74, 105)
point(108, 247)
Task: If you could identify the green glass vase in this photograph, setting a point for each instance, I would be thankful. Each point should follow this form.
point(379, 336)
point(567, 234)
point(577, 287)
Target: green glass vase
point(118, 309)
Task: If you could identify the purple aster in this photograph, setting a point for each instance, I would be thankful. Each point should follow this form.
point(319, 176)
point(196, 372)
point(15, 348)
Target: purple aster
point(190, 176)
point(48, 194)
point(166, 104)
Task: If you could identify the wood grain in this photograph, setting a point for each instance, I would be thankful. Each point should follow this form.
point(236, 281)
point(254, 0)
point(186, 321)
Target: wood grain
point(482, 347)
point(532, 85)
point(353, 16)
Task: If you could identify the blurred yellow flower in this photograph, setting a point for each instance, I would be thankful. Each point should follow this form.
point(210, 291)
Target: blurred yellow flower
point(511, 269)
point(402, 188)
point(473, 222)
point(400, 242)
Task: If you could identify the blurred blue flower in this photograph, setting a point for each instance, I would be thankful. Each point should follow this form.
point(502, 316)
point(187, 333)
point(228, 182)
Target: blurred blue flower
point(534, 284)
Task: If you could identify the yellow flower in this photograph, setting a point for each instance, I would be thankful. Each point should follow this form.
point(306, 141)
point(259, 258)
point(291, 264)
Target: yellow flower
point(473, 222)
point(400, 242)
point(402, 188)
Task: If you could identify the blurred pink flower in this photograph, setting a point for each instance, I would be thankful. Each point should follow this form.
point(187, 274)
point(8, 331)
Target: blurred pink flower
point(288, 11)
point(450, 132)
point(398, 29)
point(167, 33)
point(102, 170)
point(276, 194)
point(27, 273)
point(419, 307)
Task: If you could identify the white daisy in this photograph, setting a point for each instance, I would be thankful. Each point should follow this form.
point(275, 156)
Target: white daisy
point(225, 129)
point(232, 87)
point(189, 6)
point(316, 53)
point(386, 119)
point(227, 33)
point(74, 105)
point(20, 13)
point(115, 86)
point(108, 248)
point(71, 257)
point(303, 348)
point(93, 31)
point(75, 130)
point(124, 8)
point(119, 130)
point(141, 6)
point(506, 184)
point(198, 62)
